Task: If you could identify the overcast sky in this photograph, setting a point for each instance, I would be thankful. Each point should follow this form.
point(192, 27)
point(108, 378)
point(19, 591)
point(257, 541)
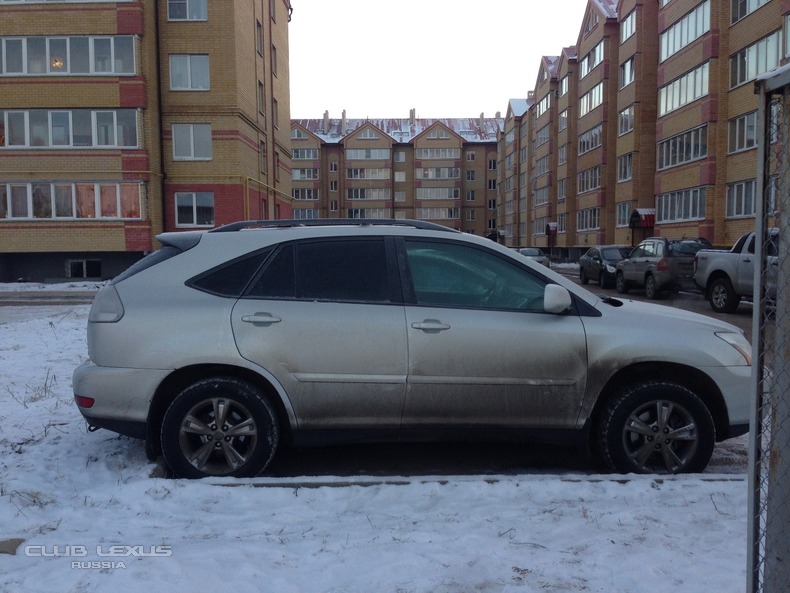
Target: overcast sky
point(445, 58)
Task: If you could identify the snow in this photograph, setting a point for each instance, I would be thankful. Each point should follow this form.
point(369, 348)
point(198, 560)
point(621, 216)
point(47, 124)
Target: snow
point(87, 511)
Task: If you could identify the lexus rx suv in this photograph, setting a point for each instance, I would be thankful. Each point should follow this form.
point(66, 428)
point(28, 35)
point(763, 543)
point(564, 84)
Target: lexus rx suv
point(225, 345)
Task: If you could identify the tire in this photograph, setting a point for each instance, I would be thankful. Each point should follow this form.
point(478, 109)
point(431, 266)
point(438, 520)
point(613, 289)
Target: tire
point(656, 427)
point(722, 297)
point(602, 282)
point(651, 291)
point(194, 446)
point(620, 284)
point(583, 277)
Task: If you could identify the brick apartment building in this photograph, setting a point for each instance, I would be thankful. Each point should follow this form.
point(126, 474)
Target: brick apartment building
point(439, 170)
point(120, 119)
point(647, 126)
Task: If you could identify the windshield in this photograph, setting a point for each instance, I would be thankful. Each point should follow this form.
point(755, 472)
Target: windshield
point(615, 252)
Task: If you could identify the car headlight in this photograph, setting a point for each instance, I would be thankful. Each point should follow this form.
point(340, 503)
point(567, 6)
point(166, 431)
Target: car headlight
point(610, 268)
point(739, 342)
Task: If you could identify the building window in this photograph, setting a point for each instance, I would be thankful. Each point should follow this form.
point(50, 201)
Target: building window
point(563, 120)
point(541, 167)
point(683, 148)
point(543, 106)
point(305, 193)
point(591, 99)
point(60, 56)
point(438, 193)
point(627, 72)
point(678, 206)
point(743, 132)
point(192, 142)
point(492, 164)
point(685, 31)
point(564, 85)
point(591, 60)
point(304, 154)
point(541, 196)
point(470, 175)
point(562, 154)
point(333, 206)
point(470, 195)
point(759, 57)
point(333, 186)
point(194, 209)
point(368, 193)
point(625, 165)
point(259, 37)
point(79, 128)
point(470, 215)
point(333, 166)
point(743, 8)
point(306, 213)
point(189, 72)
point(275, 113)
point(591, 139)
point(562, 189)
point(740, 199)
point(371, 173)
point(274, 60)
point(262, 156)
point(492, 184)
point(261, 99)
point(684, 90)
point(588, 219)
point(628, 26)
point(400, 156)
point(438, 213)
point(187, 10)
point(543, 135)
point(399, 196)
point(623, 214)
point(64, 200)
point(304, 174)
point(470, 156)
point(589, 179)
point(400, 176)
point(375, 154)
point(434, 153)
point(625, 120)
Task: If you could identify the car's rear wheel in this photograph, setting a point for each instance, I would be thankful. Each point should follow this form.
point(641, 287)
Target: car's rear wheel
point(583, 277)
point(603, 283)
point(651, 290)
point(620, 284)
point(722, 296)
point(221, 426)
point(656, 427)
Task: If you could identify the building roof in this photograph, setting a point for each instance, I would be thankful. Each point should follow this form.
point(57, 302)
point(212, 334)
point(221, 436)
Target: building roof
point(608, 8)
point(519, 107)
point(481, 129)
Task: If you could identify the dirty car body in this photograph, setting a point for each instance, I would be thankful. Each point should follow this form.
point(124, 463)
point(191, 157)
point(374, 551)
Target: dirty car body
point(225, 345)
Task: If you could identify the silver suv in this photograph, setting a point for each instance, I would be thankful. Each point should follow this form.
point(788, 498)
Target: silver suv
point(225, 345)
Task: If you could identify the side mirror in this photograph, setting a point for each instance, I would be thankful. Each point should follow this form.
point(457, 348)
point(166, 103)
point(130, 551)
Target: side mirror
point(556, 298)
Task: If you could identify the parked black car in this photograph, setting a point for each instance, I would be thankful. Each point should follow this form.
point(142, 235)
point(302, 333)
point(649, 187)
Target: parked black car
point(599, 263)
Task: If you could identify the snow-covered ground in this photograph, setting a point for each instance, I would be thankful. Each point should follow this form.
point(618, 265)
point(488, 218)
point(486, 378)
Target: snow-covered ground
point(82, 512)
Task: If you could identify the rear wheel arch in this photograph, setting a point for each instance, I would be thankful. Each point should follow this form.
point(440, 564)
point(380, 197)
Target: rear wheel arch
point(182, 378)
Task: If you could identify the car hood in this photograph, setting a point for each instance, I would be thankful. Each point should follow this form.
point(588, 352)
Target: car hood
point(645, 317)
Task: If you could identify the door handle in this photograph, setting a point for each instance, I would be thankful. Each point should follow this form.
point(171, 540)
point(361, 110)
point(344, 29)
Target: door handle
point(261, 319)
point(430, 325)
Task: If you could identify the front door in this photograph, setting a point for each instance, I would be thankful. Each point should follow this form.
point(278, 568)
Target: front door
point(482, 351)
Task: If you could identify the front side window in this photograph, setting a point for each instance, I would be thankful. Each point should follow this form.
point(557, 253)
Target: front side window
point(455, 275)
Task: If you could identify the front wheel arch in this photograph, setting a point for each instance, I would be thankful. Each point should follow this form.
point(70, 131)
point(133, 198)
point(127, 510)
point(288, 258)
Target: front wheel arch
point(691, 378)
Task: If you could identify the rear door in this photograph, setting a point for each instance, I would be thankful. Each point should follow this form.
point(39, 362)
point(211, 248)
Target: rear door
point(325, 317)
point(635, 264)
point(482, 351)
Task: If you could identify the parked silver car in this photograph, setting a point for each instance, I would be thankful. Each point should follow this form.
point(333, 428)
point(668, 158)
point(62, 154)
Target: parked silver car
point(535, 253)
point(225, 345)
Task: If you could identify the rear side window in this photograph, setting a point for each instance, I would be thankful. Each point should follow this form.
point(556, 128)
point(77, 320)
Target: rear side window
point(148, 261)
point(335, 270)
point(232, 278)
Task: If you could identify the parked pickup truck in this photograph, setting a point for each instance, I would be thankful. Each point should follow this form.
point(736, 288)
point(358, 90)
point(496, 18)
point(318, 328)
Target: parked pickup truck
point(659, 264)
point(727, 276)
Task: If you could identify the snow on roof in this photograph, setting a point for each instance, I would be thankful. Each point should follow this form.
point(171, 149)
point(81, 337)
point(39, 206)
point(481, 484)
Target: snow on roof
point(608, 8)
point(551, 64)
point(404, 130)
point(520, 106)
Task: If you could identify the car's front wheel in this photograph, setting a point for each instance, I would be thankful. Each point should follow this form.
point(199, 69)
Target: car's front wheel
point(220, 426)
point(656, 427)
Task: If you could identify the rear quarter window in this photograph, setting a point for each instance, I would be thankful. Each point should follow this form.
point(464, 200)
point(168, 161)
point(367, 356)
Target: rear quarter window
point(230, 279)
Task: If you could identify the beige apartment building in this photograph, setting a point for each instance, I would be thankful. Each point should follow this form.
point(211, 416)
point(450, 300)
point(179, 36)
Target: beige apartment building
point(656, 125)
point(121, 119)
point(437, 170)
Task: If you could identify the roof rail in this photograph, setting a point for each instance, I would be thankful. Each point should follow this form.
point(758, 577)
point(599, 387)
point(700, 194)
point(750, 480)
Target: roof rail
point(262, 224)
